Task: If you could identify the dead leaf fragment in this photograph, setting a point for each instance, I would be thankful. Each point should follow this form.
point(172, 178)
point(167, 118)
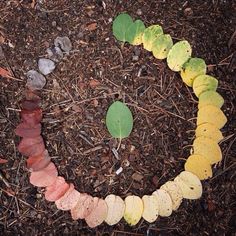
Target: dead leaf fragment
point(92, 26)
point(3, 161)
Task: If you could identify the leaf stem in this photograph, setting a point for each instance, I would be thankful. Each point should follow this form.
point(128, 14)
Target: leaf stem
point(119, 144)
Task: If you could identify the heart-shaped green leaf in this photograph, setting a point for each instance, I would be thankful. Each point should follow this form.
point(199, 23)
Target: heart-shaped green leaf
point(135, 32)
point(119, 120)
point(120, 26)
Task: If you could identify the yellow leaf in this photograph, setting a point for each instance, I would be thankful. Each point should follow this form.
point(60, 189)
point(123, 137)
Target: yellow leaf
point(116, 208)
point(203, 83)
point(207, 148)
point(199, 166)
point(164, 202)
point(209, 130)
point(190, 185)
point(211, 114)
point(175, 193)
point(150, 208)
point(210, 98)
point(133, 209)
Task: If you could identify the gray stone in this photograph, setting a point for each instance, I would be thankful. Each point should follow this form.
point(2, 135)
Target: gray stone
point(35, 80)
point(55, 54)
point(46, 66)
point(64, 43)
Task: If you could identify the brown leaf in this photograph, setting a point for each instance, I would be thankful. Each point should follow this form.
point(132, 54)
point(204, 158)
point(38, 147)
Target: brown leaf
point(94, 83)
point(91, 26)
point(137, 177)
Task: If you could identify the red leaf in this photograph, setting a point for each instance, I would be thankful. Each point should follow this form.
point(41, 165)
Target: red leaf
point(57, 189)
point(83, 208)
point(3, 161)
point(44, 177)
point(31, 146)
point(5, 73)
point(25, 130)
point(32, 95)
point(31, 117)
point(68, 200)
point(39, 162)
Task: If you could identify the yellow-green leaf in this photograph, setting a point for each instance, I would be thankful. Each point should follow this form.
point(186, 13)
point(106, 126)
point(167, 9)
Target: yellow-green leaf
point(134, 32)
point(210, 98)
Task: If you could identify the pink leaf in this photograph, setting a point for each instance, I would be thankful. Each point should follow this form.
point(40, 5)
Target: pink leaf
point(3, 161)
point(39, 162)
point(44, 177)
point(25, 130)
point(31, 117)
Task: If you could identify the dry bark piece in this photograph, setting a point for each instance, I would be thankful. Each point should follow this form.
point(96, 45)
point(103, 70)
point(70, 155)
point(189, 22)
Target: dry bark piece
point(27, 131)
point(31, 146)
point(38, 162)
point(83, 207)
point(44, 177)
point(56, 190)
point(98, 215)
point(31, 117)
point(35, 80)
point(69, 200)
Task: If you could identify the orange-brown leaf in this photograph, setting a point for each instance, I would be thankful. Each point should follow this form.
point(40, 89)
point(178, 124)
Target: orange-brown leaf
point(5, 73)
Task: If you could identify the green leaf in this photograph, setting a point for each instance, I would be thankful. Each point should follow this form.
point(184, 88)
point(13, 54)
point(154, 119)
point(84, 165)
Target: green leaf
point(120, 26)
point(178, 55)
point(119, 120)
point(134, 32)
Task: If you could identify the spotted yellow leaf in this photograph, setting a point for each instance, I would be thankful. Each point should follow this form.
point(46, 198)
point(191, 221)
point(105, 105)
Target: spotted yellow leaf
point(133, 209)
point(199, 166)
point(116, 208)
point(191, 69)
point(190, 185)
point(210, 98)
point(203, 83)
point(209, 130)
point(211, 114)
point(175, 193)
point(207, 148)
point(150, 208)
point(164, 202)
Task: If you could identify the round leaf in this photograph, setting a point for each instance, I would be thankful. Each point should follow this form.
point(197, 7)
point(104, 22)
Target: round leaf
point(161, 46)
point(150, 34)
point(209, 131)
point(210, 98)
point(199, 166)
point(207, 148)
point(134, 32)
point(120, 26)
point(150, 208)
point(204, 83)
point(191, 69)
point(119, 120)
point(178, 55)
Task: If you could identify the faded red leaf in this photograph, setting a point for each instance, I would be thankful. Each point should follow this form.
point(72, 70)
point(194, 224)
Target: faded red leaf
point(83, 207)
point(31, 146)
point(44, 177)
point(56, 190)
point(91, 26)
point(5, 73)
point(30, 105)
point(25, 130)
point(3, 161)
point(93, 83)
point(68, 200)
point(31, 117)
point(39, 162)
point(98, 215)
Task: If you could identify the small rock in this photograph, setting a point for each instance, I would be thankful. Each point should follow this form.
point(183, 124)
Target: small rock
point(54, 23)
point(35, 80)
point(139, 12)
point(64, 43)
point(46, 66)
point(119, 171)
point(55, 54)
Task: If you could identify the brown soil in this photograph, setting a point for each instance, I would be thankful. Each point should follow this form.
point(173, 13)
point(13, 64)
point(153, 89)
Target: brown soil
point(73, 126)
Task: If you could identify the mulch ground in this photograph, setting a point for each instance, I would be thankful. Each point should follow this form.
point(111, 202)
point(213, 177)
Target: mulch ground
point(97, 72)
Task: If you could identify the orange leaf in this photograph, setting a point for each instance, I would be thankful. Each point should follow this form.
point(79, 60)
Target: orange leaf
point(94, 83)
point(92, 26)
point(5, 73)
